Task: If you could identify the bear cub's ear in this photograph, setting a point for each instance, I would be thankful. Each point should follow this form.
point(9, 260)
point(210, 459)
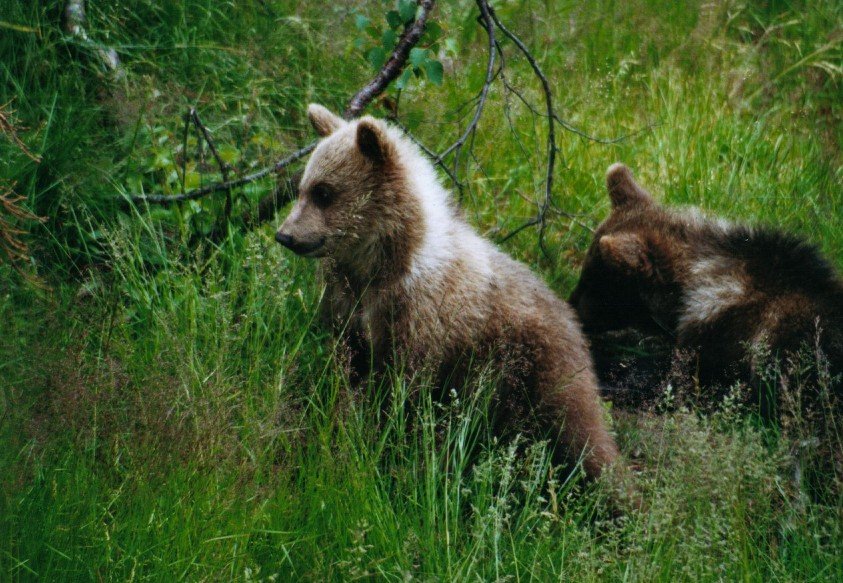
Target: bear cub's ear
point(628, 252)
point(323, 121)
point(373, 141)
point(623, 190)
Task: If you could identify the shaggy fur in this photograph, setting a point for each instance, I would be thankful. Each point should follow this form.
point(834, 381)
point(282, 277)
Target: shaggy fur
point(407, 275)
point(723, 290)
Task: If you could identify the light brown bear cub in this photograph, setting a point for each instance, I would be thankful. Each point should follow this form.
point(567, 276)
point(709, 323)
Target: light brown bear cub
point(722, 290)
point(404, 271)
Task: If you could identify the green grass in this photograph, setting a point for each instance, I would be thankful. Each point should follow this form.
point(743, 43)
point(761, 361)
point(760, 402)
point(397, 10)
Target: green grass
point(169, 410)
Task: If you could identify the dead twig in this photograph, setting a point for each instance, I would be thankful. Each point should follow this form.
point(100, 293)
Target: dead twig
point(430, 154)
point(604, 141)
point(13, 250)
point(572, 128)
point(8, 128)
point(223, 165)
point(490, 21)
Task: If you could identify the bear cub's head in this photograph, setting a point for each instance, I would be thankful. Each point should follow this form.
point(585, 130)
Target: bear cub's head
point(635, 269)
point(343, 188)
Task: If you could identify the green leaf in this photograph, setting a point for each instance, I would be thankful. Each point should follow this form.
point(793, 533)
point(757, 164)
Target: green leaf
point(389, 38)
point(373, 31)
point(432, 31)
point(434, 71)
point(393, 19)
point(418, 56)
point(376, 57)
point(407, 10)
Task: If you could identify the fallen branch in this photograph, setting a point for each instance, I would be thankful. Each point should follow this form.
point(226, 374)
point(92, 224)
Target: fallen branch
point(225, 185)
point(391, 69)
point(75, 23)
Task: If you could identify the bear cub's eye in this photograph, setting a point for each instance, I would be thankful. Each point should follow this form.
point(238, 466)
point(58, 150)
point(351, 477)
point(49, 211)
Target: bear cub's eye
point(322, 195)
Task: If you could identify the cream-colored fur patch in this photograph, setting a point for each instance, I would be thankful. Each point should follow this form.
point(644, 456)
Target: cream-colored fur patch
point(716, 284)
point(695, 217)
point(446, 235)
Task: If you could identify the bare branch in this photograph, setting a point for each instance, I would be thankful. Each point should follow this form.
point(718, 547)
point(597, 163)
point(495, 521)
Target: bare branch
point(521, 227)
point(220, 186)
point(604, 141)
point(224, 167)
point(430, 154)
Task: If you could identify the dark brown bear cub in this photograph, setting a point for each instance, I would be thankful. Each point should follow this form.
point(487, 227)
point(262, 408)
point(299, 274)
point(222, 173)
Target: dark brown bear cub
point(406, 272)
point(728, 292)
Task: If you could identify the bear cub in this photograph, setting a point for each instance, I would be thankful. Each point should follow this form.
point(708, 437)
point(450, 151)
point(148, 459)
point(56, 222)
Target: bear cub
point(407, 275)
point(725, 292)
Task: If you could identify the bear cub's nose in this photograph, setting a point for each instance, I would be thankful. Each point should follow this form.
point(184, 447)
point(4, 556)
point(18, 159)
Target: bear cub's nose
point(284, 239)
point(299, 247)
